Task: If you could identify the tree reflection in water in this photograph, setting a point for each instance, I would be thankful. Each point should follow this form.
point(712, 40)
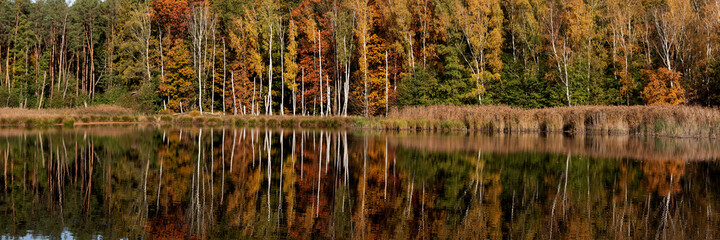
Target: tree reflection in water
point(139, 182)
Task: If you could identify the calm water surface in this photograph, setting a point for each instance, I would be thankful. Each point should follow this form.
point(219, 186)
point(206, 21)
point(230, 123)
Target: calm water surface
point(148, 182)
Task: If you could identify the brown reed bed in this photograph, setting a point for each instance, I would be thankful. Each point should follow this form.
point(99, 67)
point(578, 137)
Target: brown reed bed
point(114, 115)
point(675, 121)
point(20, 117)
point(106, 110)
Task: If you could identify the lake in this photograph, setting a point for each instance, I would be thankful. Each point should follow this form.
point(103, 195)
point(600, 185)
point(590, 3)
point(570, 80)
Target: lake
point(167, 182)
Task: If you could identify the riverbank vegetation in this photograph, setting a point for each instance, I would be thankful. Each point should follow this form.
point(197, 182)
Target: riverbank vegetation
point(356, 57)
point(672, 121)
point(110, 115)
point(678, 121)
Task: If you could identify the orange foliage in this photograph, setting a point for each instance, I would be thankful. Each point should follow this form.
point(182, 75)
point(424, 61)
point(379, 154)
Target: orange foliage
point(172, 14)
point(376, 76)
point(308, 54)
point(663, 88)
point(664, 176)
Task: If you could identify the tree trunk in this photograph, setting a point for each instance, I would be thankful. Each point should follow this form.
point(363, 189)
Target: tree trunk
point(268, 103)
point(42, 94)
point(92, 66)
point(225, 80)
point(212, 89)
point(147, 58)
point(302, 91)
point(365, 69)
point(162, 59)
point(77, 74)
point(327, 87)
point(61, 74)
point(253, 98)
point(322, 108)
point(387, 83)
point(232, 82)
point(282, 70)
point(347, 87)
point(294, 97)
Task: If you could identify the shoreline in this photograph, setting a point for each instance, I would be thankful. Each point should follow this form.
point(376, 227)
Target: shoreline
point(667, 121)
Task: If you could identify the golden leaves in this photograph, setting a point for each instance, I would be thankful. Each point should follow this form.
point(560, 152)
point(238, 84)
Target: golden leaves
point(663, 88)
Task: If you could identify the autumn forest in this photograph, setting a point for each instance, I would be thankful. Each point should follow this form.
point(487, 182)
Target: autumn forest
point(356, 57)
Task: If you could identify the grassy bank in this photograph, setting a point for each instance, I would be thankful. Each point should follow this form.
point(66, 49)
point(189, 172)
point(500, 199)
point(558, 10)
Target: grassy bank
point(675, 121)
point(114, 115)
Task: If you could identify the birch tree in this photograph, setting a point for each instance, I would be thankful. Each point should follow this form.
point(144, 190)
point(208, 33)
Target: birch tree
point(481, 24)
point(291, 67)
point(622, 15)
point(199, 22)
point(344, 37)
point(559, 49)
point(362, 17)
point(671, 23)
point(141, 32)
point(268, 20)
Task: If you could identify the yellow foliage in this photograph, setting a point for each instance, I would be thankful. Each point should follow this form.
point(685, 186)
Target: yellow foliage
point(482, 24)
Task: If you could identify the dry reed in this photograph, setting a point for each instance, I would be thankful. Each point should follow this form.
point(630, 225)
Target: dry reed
point(676, 121)
point(107, 110)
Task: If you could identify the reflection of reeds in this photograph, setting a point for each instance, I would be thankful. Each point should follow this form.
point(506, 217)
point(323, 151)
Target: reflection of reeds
point(646, 120)
point(96, 130)
point(643, 148)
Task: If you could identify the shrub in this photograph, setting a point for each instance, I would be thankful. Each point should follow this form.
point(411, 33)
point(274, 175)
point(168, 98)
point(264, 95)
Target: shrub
point(663, 88)
point(287, 123)
point(68, 122)
point(164, 112)
point(271, 123)
point(185, 119)
point(419, 89)
point(147, 98)
point(307, 123)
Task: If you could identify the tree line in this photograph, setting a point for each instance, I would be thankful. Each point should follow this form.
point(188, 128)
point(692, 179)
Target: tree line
point(340, 57)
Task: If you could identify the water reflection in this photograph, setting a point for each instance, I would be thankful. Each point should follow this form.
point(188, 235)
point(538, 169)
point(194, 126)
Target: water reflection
point(146, 182)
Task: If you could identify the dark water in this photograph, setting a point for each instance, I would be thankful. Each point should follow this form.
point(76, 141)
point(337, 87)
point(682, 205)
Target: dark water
point(169, 183)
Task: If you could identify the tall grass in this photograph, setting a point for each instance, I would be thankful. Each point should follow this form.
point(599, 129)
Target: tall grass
point(677, 121)
point(108, 110)
point(65, 116)
point(109, 114)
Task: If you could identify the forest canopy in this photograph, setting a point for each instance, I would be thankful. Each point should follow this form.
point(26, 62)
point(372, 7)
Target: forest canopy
point(358, 57)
